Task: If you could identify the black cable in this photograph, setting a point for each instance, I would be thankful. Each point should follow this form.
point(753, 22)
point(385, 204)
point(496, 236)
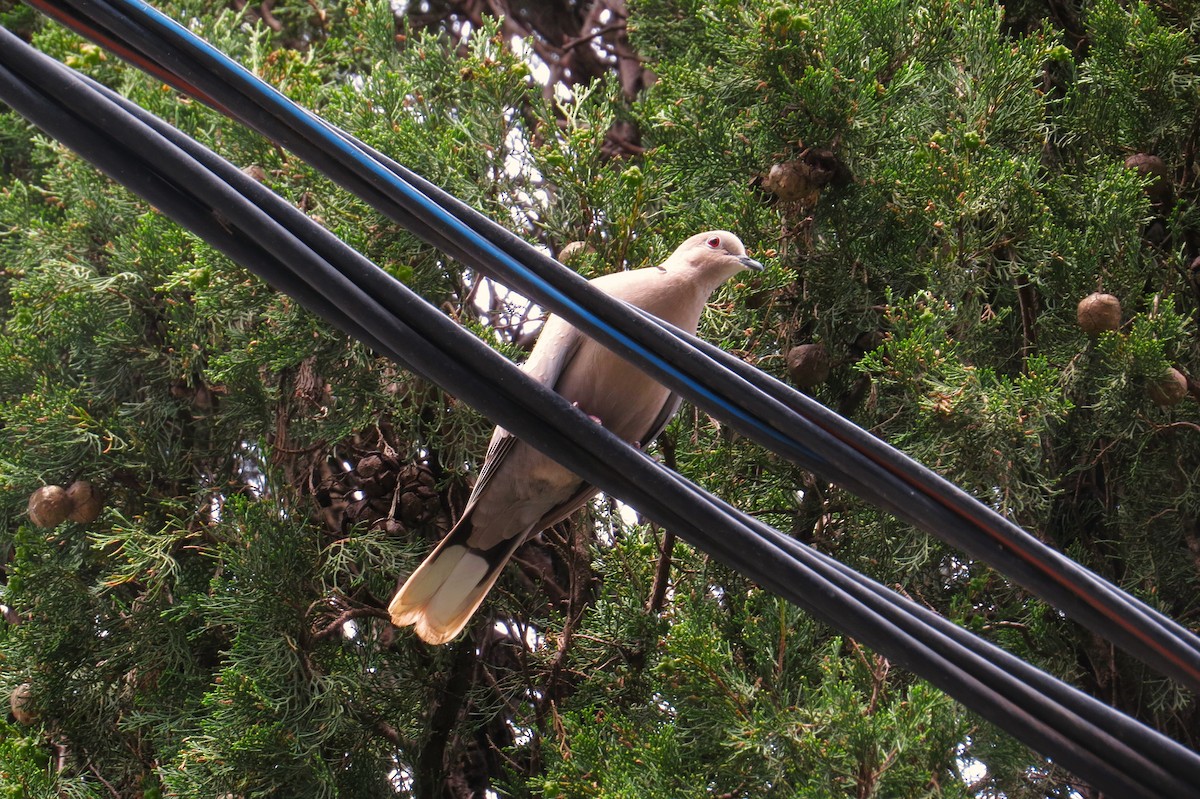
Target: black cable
point(903, 486)
point(801, 429)
point(640, 475)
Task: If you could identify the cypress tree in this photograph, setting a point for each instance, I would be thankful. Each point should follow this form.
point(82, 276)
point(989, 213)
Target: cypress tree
point(935, 187)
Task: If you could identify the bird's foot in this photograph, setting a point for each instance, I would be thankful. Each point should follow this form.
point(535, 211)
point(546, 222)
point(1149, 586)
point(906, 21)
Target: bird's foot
point(595, 419)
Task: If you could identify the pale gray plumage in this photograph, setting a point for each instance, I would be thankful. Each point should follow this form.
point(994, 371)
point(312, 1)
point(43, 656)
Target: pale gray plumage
point(520, 491)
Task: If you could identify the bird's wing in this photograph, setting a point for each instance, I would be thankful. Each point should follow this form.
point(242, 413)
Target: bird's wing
point(669, 409)
point(556, 345)
point(501, 444)
point(564, 509)
point(586, 492)
point(545, 365)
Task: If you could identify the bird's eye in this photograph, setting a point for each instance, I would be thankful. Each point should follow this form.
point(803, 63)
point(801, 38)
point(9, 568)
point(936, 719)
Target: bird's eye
point(714, 242)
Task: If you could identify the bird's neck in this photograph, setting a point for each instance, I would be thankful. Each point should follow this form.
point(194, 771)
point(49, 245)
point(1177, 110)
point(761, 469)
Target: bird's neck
point(680, 299)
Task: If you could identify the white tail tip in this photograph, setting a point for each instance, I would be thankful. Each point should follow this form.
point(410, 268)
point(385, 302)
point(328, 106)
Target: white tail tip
point(440, 597)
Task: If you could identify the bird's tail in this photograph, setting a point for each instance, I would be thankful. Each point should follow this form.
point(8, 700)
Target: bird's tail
point(440, 597)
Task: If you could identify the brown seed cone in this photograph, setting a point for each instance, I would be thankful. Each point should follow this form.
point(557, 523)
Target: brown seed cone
point(808, 365)
point(802, 179)
point(18, 702)
point(792, 181)
point(572, 250)
point(86, 502)
point(870, 340)
point(1159, 190)
point(49, 506)
point(1169, 389)
point(418, 494)
point(1098, 313)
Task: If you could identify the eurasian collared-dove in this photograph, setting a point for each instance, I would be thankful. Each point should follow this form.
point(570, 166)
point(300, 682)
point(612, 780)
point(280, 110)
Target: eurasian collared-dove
point(520, 491)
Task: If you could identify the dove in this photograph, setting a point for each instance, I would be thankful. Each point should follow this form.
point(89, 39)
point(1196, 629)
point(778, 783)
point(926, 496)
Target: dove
point(520, 491)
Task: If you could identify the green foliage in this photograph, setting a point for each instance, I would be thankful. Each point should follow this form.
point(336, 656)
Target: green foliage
point(218, 629)
point(1138, 85)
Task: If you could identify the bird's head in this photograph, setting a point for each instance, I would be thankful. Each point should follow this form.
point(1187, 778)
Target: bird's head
point(715, 256)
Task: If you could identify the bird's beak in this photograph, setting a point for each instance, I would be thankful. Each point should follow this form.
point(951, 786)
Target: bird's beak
point(750, 263)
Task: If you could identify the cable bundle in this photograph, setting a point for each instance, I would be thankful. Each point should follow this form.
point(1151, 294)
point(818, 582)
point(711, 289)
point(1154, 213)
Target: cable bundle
point(247, 222)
